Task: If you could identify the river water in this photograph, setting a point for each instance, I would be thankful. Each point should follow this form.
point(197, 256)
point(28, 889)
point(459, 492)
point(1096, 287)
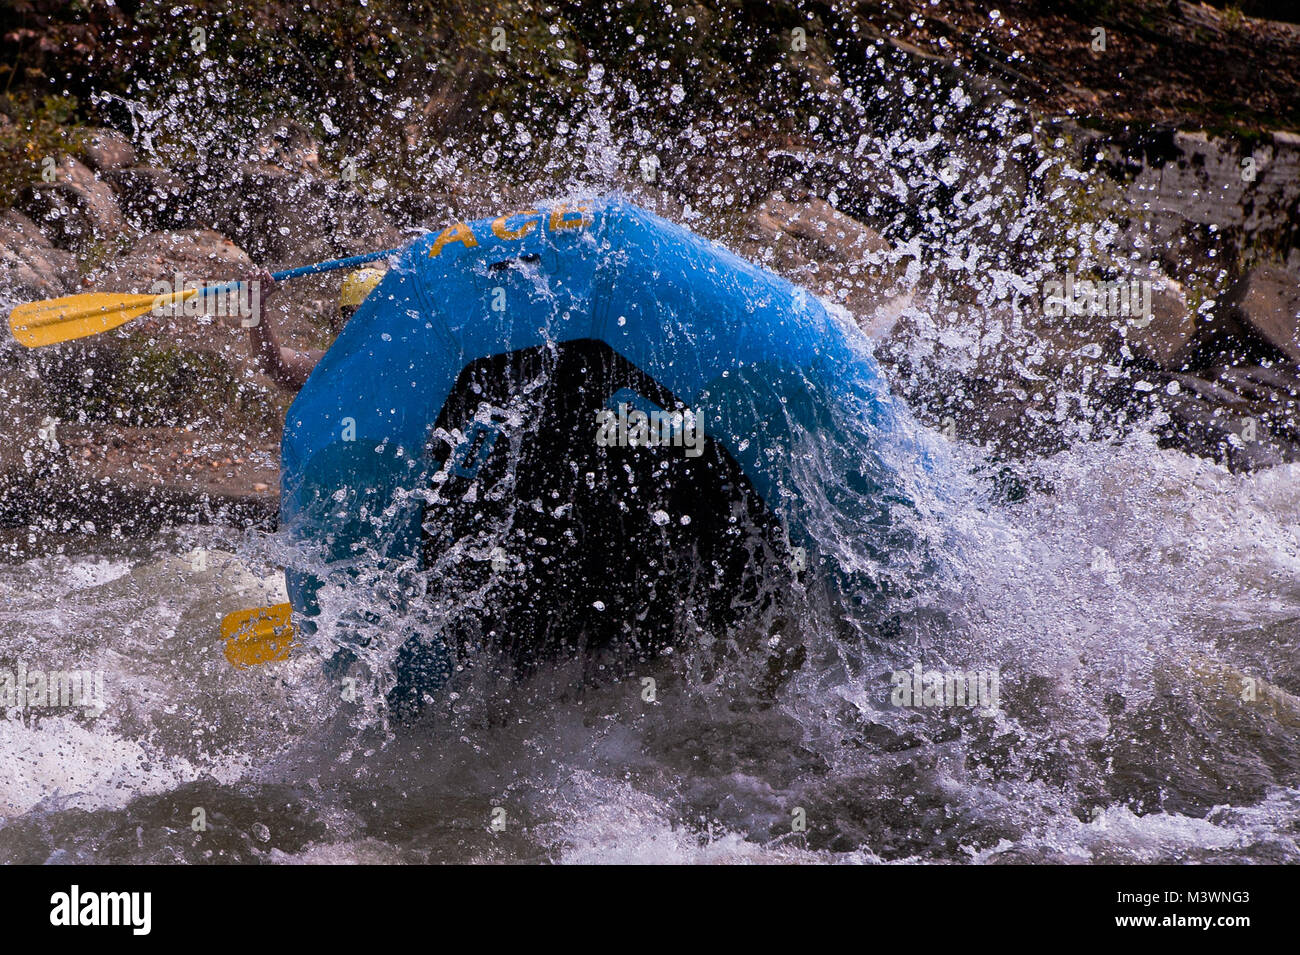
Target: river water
point(1140, 607)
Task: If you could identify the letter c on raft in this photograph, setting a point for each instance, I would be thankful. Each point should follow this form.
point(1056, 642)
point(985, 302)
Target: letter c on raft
point(501, 232)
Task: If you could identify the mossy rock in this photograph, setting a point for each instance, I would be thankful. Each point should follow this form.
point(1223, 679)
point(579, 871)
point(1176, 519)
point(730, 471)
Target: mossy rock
point(149, 385)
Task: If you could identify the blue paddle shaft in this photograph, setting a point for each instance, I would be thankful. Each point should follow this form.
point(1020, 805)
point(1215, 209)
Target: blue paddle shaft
point(313, 269)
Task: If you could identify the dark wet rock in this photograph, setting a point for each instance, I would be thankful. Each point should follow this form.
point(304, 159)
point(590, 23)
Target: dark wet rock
point(1273, 394)
point(1195, 201)
point(198, 254)
point(107, 149)
point(1267, 301)
point(817, 246)
point(272, 212)
point(286, 143)
point(31, 267)
point(816, 230)
point(1278, 383)
point(1211, 391)
point(1165, 337)
point(134, 481)
point(152, 198)
point(1208, 420)
point(77, 209)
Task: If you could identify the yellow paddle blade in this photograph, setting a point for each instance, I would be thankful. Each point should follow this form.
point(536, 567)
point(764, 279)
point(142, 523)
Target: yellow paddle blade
point(257, 636)
point(80, 316)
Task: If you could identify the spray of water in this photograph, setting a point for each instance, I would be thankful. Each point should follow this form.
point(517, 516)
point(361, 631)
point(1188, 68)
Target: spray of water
point(1137, 606)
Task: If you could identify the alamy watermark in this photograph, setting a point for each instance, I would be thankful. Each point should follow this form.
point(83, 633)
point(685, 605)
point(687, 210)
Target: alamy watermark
point(629, 427)
point(242, 300)
point(1123, 298)
point(977, 689)
point(25, 689)
point(73, 908)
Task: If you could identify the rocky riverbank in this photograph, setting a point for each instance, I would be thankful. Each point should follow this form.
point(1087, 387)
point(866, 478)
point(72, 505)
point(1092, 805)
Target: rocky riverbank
point(937, 188)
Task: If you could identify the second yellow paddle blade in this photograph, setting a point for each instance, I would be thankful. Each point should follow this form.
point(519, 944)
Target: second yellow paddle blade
point(257, 636)
point(80, 316)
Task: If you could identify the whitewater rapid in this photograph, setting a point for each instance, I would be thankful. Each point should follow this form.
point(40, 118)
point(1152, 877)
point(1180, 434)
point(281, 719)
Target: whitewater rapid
point(1124, 602)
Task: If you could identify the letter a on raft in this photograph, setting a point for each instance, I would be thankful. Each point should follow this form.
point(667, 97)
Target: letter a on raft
point(456, 232)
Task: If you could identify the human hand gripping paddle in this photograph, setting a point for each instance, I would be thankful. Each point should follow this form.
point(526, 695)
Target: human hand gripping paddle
point(252, 637)
point(56, 320)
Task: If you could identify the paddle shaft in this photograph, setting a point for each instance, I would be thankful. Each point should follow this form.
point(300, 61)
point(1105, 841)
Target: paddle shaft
point(313, 269)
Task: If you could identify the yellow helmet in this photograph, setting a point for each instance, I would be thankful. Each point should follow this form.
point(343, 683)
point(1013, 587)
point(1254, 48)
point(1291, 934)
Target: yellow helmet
point(358, 285)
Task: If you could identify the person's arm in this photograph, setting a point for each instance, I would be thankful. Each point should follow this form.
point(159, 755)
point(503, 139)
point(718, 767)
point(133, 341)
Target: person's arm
point(285, 366)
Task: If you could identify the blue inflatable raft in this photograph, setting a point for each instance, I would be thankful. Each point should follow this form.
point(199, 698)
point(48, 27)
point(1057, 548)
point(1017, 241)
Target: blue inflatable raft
point(579, 422)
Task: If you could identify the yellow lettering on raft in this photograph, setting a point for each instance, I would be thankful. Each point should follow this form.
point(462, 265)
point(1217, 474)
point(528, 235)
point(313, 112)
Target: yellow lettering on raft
point(558, 220)
point(501, 232)
point(456, 232)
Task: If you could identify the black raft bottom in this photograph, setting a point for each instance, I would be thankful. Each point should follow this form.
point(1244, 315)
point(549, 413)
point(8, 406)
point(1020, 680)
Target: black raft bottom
point(540, 541)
